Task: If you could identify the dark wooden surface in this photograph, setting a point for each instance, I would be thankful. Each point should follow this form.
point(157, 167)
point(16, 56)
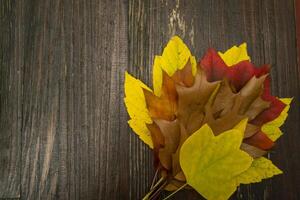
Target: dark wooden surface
point(63, 130)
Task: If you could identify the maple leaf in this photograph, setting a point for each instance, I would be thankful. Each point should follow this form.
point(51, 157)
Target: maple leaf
point(137, 108)
point(165, 106)
point(261, 168)
point(211, 163)
point(238, 75)
point(196, 113)
point(272, 128)
point(235, 54)
point(175, 56)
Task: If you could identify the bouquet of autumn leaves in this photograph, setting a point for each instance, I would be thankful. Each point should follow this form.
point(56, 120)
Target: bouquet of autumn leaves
point(209, 123)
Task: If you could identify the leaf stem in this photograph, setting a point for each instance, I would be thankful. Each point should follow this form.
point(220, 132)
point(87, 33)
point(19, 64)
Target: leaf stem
point(158, 191)
point(170, 195)
point(158, 182)
point(146, 197)
point(154, 179)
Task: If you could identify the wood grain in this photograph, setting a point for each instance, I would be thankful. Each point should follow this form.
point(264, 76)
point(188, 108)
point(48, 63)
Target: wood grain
point(72, 107)
point(10, 100)
point(63, 125)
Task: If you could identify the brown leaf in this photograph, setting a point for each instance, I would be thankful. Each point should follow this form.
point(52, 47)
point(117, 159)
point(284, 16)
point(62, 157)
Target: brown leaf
point(195, 120)
point(171, 133)
point(256, 108)
point(156, 135)
point(223, 100)
point(175, 184)
point(192, 99)
point(175, 157)
point(250, 92)
point(227, 120)
point(184, 76)
point(251, 130)
point(229, 108)
point(158, 141)
point(165, 106)
point(252, 150)
point(180, 176)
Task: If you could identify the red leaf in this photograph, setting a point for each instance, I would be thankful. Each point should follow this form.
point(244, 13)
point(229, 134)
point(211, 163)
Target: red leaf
point(260, 140)
point(273, 111)
point(238, 75)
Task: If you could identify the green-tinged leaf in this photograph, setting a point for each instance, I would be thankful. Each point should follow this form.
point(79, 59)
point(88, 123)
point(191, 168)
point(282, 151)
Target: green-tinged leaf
point(271, 129)
point(211, 163)
point(261, 168)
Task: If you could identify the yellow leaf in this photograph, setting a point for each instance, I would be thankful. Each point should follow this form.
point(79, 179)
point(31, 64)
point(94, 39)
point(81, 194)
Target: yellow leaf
point(174, 57)
point(235, 55)
point(137, 109)
point(194, 65)
point(211, 163)
point(241, 126)
point(261, 168)
point(271, 129)
point(157, 76)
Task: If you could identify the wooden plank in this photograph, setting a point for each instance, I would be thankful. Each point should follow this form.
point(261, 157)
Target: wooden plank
point(9, 198)
point(297, 18)
point(74, 140)
point(10, 99)
point(269, 29)
point(279, 39)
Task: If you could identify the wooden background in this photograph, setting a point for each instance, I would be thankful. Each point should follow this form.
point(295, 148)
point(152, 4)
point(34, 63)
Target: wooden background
point(63, 130)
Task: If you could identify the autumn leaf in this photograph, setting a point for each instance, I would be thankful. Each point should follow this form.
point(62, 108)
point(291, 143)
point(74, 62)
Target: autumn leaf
point(191, 101)
point(272, 128)
point(261, 168)
point(211, 163)
point(165, 106)
point(229, 108)
point(276, 106)
point(206, 122)
point(137, 108)
point(170, 130)
point(260, 140)
point(238, 74)
point(174, 57)
point(235, 55)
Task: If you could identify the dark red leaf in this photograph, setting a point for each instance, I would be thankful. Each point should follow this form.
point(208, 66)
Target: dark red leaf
point(238, 75)
point(260, 140)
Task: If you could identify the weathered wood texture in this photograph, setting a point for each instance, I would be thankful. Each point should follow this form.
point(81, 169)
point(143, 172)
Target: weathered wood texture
point(73, 114)
point(63, 123)
point(10, 99)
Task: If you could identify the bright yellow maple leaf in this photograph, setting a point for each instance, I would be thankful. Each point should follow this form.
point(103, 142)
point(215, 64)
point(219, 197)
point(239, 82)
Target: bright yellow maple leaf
point(235, 55)
point(137, 109)
point(174, 57)
point(271, 129)
point(211, 163)
point(157, 75)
